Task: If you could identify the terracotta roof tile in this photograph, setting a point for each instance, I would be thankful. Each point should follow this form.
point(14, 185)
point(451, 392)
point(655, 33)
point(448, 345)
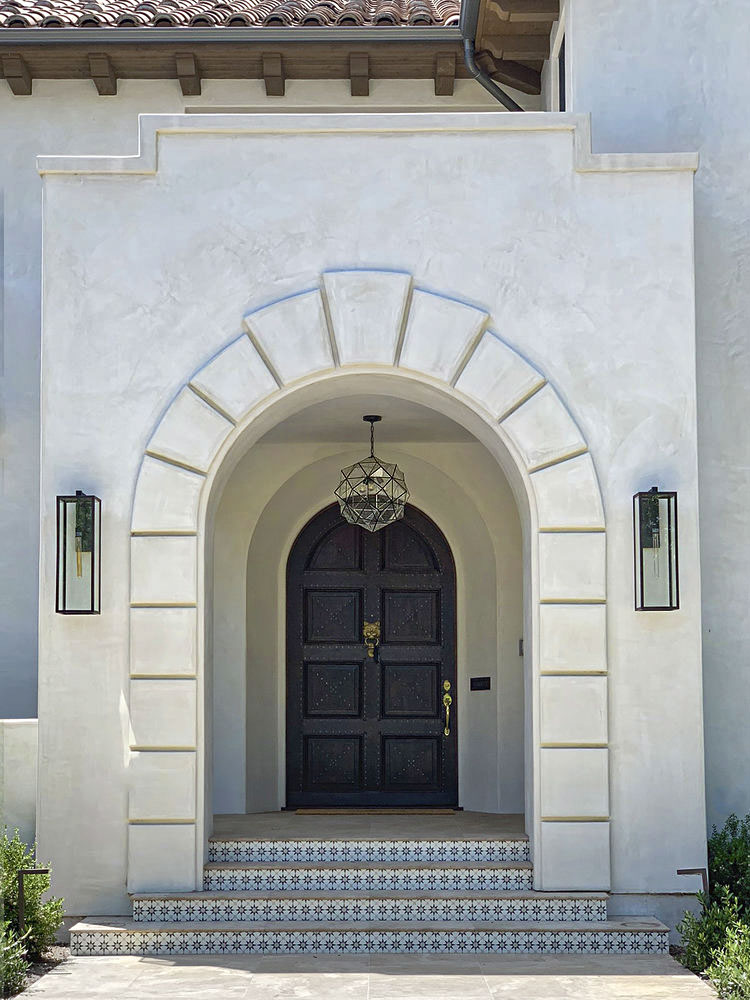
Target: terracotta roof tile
point(224, 13)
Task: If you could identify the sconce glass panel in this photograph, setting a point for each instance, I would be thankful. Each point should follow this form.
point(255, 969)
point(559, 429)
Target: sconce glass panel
point(655, 544)
point(79, 555)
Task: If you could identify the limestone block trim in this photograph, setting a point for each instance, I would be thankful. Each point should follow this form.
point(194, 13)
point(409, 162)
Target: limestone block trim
point(547, 745)
point(574, 453)
point(524, 399)
point(300, 340)
point(161, 822)
point(576, 819)
point(571, 673)
point(152, 129)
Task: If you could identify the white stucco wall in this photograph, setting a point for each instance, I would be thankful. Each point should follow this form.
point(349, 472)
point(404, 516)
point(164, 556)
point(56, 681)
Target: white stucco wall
point(579, 268)
point(665, 75)
point(270, 496)
point(68, 116)
point(18, 764)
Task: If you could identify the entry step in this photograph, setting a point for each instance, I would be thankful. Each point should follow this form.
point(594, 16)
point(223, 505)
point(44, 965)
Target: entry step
point(374, 906)
point(222, 849)
point(374, 875)
point(119, 935)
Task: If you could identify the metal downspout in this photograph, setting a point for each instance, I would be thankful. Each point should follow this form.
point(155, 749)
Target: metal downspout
point(468, 28)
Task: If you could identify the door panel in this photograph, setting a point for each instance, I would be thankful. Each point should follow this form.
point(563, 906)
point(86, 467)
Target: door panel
point(411, 617)
point(333, 690)
point(410, 689)
point(333, 616)
point(361, 729)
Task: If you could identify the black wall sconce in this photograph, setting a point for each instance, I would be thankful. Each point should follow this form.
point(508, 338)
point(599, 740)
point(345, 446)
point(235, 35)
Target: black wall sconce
point(79, 543)
point(655, 547)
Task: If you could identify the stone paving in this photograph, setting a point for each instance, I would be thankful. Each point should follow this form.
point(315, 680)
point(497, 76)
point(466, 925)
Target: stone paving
point(373, 977)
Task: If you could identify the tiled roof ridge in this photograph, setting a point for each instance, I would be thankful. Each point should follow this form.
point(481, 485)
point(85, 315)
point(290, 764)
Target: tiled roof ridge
point(225, 13)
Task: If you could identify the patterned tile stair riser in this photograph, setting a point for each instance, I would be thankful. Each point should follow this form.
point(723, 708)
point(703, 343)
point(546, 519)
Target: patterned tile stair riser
point(203, 909)
point(337, 942)
point(350, 896)
point(348, 879)
point(310, 851)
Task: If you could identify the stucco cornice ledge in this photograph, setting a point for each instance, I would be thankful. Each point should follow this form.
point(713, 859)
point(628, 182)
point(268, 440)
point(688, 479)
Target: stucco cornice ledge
point(150, 127)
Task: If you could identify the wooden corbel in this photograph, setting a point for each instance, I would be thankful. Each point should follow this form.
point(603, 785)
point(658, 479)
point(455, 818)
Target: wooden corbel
point(17, 75)
point(103, 74)
point(273, 74)
point(188, 74)
point(359, 74)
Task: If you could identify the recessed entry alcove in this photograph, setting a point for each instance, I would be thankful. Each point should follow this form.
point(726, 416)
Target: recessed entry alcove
point(282, 482)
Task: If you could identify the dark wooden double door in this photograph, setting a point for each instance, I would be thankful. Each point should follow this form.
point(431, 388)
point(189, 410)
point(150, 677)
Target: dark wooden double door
point(371, 730)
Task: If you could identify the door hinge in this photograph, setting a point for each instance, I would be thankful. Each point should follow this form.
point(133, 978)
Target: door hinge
point(520, 647)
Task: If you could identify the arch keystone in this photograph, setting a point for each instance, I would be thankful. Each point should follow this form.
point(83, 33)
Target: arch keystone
point(498, 377)
point(439, 334)
point(367, 313)
point(236, 379)
point(292, 335)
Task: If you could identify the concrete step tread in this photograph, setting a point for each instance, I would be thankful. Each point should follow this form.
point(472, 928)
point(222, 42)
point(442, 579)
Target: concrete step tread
point(365, 865)
point(97, 924)
point(344, 894)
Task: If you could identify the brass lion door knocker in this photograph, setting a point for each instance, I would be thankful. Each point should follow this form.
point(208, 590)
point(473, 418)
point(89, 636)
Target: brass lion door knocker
point(371, 633)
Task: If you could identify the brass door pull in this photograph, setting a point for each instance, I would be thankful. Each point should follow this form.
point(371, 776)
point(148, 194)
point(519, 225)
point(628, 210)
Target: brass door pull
point(447, 702)
point(371, 633)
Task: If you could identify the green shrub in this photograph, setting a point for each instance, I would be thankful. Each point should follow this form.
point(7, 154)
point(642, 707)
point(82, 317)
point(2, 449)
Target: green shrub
point(729, 859)
point(704, 936)
point(41, 919)
point(730, 969)
point(13, 964)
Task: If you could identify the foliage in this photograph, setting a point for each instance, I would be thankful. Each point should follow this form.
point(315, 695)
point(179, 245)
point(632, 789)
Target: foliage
point(717, 941)
point(730, 969)
point(704, 936)
point(41, 919)
point(729, 860)
point(13, 964)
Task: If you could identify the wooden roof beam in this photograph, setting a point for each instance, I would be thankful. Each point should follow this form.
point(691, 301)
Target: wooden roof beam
point(445, 74)
point(17, 74)
point(103, 74)
point(511, 74)
point(515, 47)
point(186, 66)
point(359, 74)
point(526, 10)
point(273, 74)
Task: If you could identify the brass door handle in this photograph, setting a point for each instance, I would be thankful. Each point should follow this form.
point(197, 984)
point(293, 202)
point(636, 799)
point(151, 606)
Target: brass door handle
point(447, 702)
point(371, 633)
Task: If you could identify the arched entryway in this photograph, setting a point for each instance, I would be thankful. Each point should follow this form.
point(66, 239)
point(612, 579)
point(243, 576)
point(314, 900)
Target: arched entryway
point(359, 331)
point(371, 723)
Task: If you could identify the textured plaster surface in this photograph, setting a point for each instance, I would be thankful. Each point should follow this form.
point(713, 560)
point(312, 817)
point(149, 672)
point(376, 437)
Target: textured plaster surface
point(555, 255)
point(67, 116)
point(673, 72)
point(18, 762)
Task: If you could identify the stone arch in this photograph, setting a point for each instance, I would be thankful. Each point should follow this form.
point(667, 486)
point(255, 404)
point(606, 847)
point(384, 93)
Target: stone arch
point(373, 322)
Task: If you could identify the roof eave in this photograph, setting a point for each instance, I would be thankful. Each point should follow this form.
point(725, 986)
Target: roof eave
point(271, 33)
